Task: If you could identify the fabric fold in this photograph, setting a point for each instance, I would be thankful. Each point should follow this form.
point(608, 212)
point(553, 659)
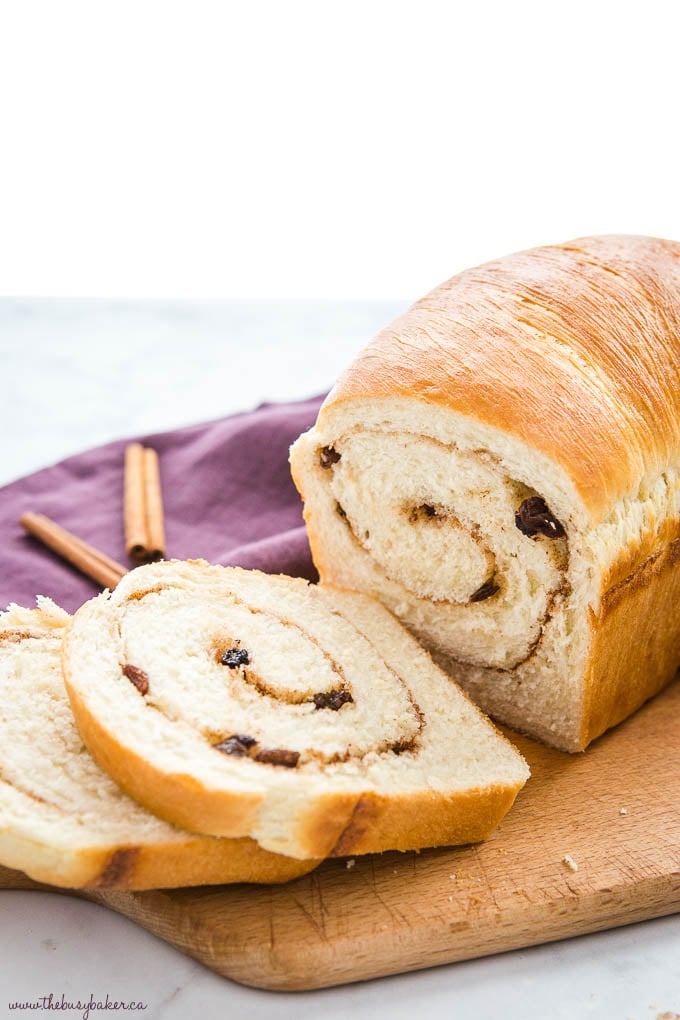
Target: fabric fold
point(227, 492)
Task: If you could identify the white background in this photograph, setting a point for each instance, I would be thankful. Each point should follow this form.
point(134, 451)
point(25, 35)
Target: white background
point(309, 149)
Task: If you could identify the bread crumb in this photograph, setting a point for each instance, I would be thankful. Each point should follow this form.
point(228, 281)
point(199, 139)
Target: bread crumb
point(350, 864)
point(452, 877)
point(623, 811)
point(570, 862)
point(668, 1015)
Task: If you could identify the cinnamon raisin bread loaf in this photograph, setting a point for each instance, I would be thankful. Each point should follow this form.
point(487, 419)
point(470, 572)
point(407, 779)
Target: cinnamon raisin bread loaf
point(501, 467)
point(241, 704)
point(64, 821)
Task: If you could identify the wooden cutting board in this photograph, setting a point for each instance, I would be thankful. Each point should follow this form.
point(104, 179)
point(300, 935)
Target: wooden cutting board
point(615, 811)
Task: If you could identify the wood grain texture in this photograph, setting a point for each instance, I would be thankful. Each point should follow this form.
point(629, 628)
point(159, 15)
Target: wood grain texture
point(396, 912)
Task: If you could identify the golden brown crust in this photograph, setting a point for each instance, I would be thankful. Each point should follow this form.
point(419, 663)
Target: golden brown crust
point(416, 820)
point(323, 831)
point(218, 810)
point(199, 860)
point(335, 817)
point(204, 861)
point(169, 859)
point(635, 645)
point(162, 864)
point(343, 823)
point(573, 348)
point(195, 807)
point(119, 868)
point(636, 639)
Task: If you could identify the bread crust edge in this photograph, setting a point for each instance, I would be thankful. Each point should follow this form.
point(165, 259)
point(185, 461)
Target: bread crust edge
point(635, 646)
point(635, 640)
point(197, 860)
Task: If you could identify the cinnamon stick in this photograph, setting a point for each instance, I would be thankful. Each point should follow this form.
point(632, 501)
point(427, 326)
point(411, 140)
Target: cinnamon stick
point(86, 558)
point(143, 505)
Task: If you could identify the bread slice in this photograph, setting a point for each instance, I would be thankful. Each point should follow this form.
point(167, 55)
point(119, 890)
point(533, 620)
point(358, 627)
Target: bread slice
point(501, 467)
point(64, 821)
point(242, 704)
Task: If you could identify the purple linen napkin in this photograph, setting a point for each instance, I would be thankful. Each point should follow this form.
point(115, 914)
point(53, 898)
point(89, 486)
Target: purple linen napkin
point(227, 493)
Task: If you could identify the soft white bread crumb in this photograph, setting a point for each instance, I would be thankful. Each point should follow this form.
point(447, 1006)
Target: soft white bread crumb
point(63, 820)
point(551, 376)
point(405, 761)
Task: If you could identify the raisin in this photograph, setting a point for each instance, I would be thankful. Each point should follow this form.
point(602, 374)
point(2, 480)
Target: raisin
point(238, 745)
point(278, 756)
point(423, 512)
point(401, 746)
point(138, 677)
point(485, 592)
point(332, 699)
point(534, 518)
point(328, 457)
point(235, 657)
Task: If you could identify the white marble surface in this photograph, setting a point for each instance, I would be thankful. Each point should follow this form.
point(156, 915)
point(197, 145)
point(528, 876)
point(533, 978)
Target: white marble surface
point(79, 373)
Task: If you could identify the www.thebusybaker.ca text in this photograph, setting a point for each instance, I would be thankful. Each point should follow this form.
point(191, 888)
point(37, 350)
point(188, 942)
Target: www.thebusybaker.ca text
point(83, 1006)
